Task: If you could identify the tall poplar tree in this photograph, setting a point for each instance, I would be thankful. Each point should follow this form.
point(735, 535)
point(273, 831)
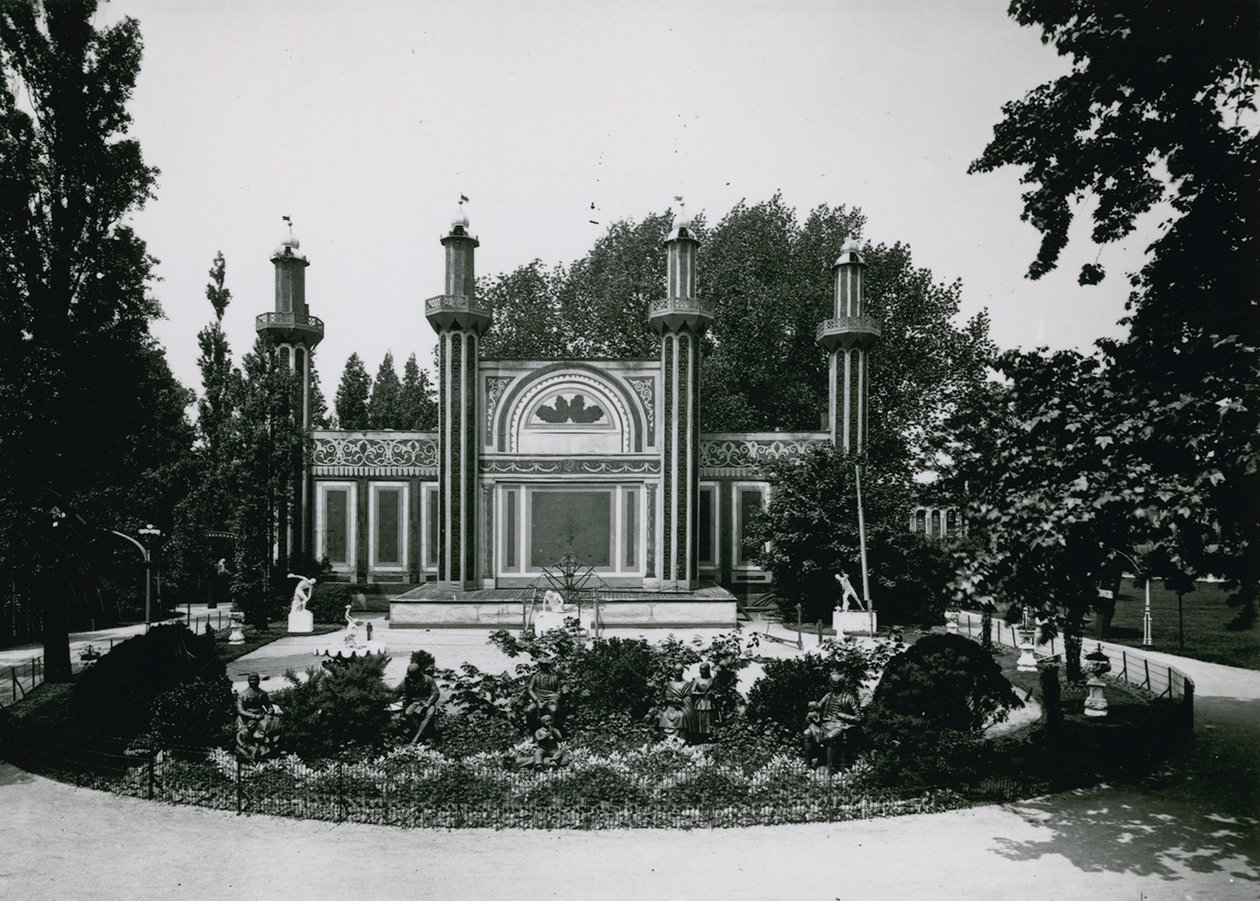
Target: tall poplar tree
point(75, 307)
point(207, 506)
point(269, 463)
point(384, 410)
point(418, 399)
point(352, 395)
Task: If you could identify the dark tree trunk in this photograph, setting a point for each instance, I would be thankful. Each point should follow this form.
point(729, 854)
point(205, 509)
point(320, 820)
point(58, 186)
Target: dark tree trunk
point(56, 631)
point(1072, 651)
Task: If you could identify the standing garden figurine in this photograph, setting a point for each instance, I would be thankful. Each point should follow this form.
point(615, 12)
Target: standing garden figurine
point(352, 629)
point(676, 710)
point(848, 592)
point(257, 722)
point(702, 705)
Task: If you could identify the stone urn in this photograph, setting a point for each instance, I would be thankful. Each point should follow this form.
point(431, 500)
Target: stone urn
point(1096, 700)
point(236, 620)
point(1027, 662)
point(951, 621)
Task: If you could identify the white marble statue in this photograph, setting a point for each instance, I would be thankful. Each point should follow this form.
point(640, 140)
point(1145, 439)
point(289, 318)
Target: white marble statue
point(301, 594)
point(848, 592)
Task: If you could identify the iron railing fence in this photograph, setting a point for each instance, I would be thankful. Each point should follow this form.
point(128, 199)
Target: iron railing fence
point(478, 795)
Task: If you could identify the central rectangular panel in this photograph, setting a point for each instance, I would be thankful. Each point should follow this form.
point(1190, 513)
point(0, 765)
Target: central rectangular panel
point(577, 522)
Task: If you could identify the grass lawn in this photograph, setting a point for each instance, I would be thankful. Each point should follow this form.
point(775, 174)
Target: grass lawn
point(255, 639)
point(1205, 614)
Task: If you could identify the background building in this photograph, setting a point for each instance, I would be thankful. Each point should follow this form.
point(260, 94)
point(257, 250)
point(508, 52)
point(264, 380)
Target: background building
point(532, 460)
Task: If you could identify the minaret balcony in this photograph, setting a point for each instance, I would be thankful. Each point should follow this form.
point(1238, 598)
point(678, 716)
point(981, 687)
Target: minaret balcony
point(846, 332)
point(291, 328)
point(669, 314)
point(458, 311)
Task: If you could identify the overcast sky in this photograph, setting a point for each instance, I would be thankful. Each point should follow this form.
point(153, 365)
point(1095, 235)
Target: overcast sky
point(365, 121)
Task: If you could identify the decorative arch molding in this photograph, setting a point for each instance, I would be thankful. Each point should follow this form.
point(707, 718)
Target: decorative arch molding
point(622, 405)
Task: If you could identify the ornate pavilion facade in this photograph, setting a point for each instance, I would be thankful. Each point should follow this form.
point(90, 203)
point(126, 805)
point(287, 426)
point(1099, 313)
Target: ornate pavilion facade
point(532, 460)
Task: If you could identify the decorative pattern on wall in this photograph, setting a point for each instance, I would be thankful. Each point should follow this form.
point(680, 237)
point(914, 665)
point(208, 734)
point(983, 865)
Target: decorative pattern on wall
point(742, 457)
point(495, 386)
point(355, 455)
point(598, 388)
point(573, 410)
point(646, 390)
point(569, 466)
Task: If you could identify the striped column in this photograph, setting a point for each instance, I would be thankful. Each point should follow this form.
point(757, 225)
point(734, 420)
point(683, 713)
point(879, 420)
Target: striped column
point(457, 458)
point(848, 336)
point(680, 319)
point(460, 320)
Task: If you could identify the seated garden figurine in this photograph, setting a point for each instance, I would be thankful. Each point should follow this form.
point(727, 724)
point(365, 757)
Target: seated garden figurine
point(838, 711)
point(257, 722)
point(676, 705)
point(421, 696)
point(547, 750)
point(544, 694)
point(702, 716)
point(815, 738)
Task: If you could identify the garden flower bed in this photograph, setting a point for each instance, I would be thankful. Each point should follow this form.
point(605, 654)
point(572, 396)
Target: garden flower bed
point(660, 785)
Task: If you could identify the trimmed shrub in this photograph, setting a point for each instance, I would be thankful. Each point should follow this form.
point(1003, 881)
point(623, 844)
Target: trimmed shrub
point(115, 697)
point(945, 682)
point(782, 695)
point(612, 676)
point(929, 708)
point(328, 601)
point(194, 714)
point(343, 704)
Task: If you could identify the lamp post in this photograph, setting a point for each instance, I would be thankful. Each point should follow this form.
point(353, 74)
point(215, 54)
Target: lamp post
point(1146, 612)
point(151, 534)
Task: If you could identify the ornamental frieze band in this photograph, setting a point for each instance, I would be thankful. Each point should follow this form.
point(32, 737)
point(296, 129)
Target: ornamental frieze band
point(570, 465)
point(384, 455)
point(743, 456)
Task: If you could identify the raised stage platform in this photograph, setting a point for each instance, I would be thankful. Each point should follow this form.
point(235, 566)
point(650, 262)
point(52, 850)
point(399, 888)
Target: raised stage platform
point(436, 606)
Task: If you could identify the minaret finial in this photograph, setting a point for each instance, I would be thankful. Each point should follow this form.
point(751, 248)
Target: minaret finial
point(460, 219)
point(681, 219)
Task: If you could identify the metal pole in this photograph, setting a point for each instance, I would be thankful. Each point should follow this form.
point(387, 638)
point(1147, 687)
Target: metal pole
point(1146, 617)
point(866, 583)
point(148, 592)
point(1181, 625)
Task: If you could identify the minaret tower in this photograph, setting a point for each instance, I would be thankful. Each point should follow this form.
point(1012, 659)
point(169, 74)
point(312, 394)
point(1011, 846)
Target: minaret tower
point(295, 333)
point(848, 336)
point(680, 319)
point(459, 319)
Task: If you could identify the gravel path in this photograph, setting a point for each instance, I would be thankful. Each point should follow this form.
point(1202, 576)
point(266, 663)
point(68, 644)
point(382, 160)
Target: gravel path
point(1191, 833)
